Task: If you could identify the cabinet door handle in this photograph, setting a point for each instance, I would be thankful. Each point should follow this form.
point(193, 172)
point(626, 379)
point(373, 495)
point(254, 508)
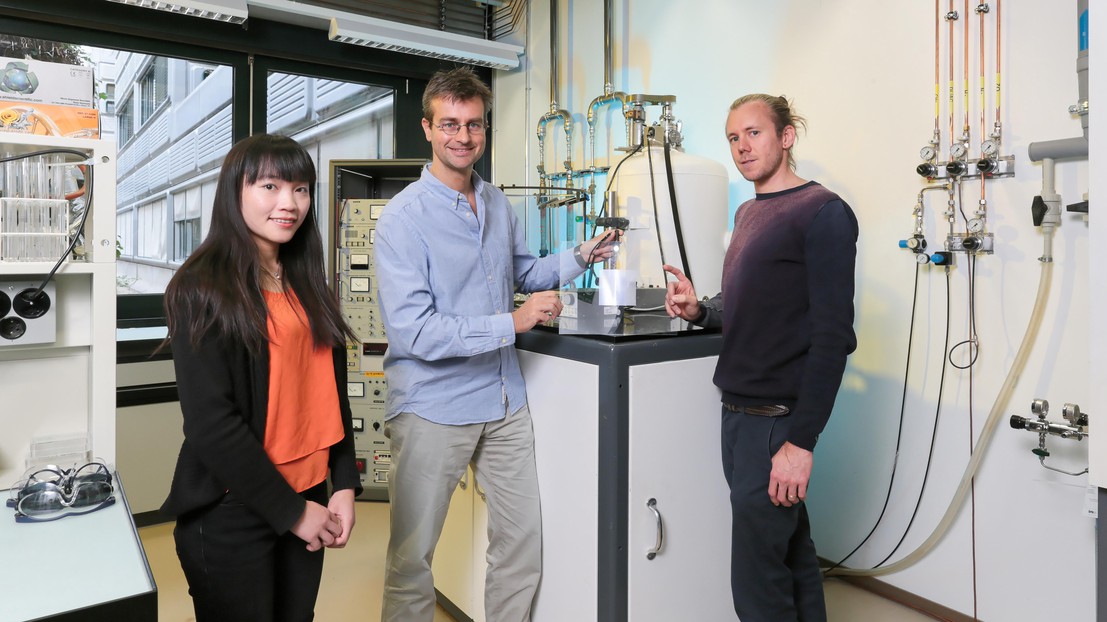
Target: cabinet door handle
point(464, 482)
point(652, 553)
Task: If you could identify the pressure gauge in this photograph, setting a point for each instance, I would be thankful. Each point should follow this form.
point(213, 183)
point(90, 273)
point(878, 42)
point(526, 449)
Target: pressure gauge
point(976, 225)
point(922, 258)
point(957, 150)
point(989, 147)
point(927, 153)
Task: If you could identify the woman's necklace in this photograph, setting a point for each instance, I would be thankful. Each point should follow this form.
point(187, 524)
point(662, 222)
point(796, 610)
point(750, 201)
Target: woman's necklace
point(276, 273)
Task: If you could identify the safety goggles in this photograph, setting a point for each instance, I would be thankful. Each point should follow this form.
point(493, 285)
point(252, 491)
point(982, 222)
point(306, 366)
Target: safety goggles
point(50, 493)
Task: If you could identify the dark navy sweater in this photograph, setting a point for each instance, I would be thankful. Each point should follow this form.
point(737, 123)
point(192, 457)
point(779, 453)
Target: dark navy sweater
point(786, 308)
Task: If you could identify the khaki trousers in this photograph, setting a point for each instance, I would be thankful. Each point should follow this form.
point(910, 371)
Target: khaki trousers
point(428, 460)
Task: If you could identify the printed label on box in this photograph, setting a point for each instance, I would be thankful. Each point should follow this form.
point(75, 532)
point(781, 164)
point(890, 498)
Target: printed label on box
point(39, 82)
point(47, 120)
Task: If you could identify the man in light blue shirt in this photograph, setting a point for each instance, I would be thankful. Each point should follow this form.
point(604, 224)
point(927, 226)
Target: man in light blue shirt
point(450, 255)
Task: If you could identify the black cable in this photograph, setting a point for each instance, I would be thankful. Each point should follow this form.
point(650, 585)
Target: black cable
point(972, 385)
point(76, 234)
point(972, 482)
point(961, 202)
point(899, 434)
point(610, 180)
point(933, 435)
point(31, 154)
point(656, 216)
point(588, 276)
point(974, 349)
point(676, 214)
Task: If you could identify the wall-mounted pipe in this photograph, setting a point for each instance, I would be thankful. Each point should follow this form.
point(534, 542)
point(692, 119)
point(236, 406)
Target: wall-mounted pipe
point(1071, 147)
point(1058, 149)
point(951, 16)
point(610, 95)
point(937, 138)
point(1082, 65)
point(997, 129)
point(1052, 217)
point(555, 113)
point(965, 129)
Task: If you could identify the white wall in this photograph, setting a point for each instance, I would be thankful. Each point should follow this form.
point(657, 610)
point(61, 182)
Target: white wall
point(862, 74)
point(1098, 156)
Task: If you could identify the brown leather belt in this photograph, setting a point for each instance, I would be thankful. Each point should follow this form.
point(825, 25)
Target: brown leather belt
point(770, 410)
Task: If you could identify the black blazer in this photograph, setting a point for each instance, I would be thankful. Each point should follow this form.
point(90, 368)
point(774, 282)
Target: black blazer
point(224, 393)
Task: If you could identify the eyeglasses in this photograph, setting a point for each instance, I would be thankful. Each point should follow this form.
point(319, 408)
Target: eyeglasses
point(51, 493)
point(450, 128)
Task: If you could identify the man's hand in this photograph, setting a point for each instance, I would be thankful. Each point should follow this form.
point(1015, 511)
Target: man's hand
point(317, 526)
point(601, 247)
point(790, 474)
point(540, 307)
point(342, 506)
point(680, 296)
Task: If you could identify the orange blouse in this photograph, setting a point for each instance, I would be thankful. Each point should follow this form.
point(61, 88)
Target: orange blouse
point(304, 418)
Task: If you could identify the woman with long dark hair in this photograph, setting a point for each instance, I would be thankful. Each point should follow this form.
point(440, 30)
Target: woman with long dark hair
point(259, 351)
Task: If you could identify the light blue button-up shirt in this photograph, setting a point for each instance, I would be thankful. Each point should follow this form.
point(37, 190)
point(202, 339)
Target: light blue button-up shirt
point(446, 279)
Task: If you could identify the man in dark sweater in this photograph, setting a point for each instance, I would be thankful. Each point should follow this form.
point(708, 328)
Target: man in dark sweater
point(786, 311)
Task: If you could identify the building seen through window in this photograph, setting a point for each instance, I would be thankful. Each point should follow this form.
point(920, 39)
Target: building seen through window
point(171, 119)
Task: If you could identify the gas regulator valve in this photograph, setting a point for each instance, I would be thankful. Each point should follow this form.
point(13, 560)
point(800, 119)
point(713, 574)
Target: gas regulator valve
point(1075, 427)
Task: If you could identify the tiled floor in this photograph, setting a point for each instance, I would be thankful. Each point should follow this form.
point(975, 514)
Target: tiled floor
point(353, 578)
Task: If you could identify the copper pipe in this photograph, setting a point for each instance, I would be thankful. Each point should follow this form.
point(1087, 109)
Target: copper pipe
point(983, 114)
point(983, 98)
point(950, 18)
point(937, 72)
point(999, 42)
point(965, 74)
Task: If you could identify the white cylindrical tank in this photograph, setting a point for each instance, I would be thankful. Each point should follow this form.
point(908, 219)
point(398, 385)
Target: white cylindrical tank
point(701, 196)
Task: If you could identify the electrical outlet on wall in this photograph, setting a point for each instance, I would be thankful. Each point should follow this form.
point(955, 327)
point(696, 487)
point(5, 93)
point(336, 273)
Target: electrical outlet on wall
point(27, 316)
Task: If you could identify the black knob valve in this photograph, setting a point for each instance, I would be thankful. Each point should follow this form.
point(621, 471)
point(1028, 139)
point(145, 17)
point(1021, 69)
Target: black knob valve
point(985, 166)
point(955, 168)
point(1081, 207)
point(926, 169)
point(1038, 210)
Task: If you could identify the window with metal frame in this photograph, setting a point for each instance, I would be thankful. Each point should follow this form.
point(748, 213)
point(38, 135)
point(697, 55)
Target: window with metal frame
point(154, 87)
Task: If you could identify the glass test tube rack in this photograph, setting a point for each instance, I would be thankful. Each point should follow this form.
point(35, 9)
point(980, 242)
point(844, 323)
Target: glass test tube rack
point(34, 213)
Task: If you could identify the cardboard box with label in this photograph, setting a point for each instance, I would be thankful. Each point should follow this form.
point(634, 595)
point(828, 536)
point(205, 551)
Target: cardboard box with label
point(49, 120)
point(39, 82)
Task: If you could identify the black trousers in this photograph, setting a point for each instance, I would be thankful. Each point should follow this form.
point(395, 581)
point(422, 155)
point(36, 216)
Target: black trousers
point(239, 569)
point(774, 573)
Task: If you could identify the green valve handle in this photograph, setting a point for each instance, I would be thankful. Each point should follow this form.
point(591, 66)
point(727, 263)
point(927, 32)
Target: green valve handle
point(1041, 453)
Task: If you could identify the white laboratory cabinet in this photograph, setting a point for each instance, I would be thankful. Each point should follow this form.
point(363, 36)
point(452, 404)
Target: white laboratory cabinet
point(65, 387)
point(618, 422)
